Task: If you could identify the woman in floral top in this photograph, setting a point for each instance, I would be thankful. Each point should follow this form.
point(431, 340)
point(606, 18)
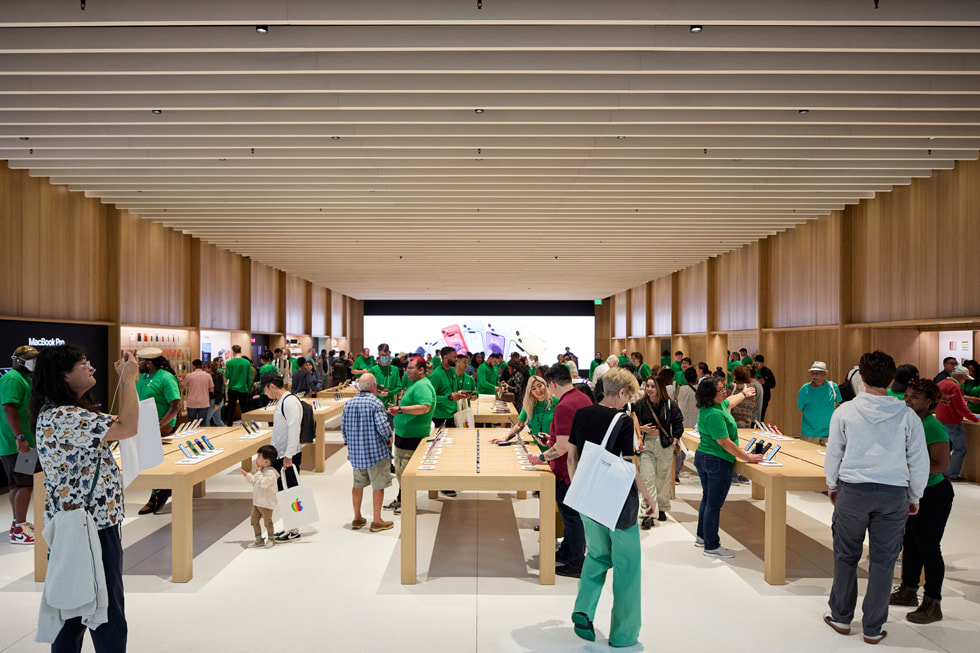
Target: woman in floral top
point(70, 442)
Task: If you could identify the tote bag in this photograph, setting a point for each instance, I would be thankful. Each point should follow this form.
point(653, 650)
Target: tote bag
point(602, 482)
point(463, 417)
point(297, 508)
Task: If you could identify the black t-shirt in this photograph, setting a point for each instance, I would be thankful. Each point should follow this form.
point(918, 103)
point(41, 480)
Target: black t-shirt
point(590, 424)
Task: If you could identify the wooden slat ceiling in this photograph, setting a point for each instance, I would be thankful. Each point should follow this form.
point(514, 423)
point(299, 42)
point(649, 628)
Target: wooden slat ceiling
point(613, 144)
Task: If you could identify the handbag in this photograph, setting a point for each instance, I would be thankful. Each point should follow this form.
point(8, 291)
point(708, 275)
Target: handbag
point(600, 489)
point(666, 440)
point(463, 417)
point(296, 504)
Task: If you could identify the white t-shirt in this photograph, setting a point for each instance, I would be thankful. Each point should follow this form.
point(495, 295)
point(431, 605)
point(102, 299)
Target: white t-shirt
point(286, 424)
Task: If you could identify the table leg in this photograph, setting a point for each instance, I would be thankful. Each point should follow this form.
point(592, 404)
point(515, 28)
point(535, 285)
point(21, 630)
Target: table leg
point(433, 495)
point(758, 490)
point(40, 546)
point(320, 445)
point(409, 530)
point(182, 533)
point(247, 464)
point(546, 517)
point(522, 494)
point(201, 490)
point(775, 534)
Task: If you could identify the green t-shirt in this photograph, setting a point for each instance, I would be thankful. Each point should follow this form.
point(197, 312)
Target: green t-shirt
point(268, 367)
point(239, 375)
point(665, 361)
point(444, 382)
point(593, 365)
point(361, 363)
point(731, 370)
point(972, 388)
point(486, 379)
point(715, 423)
point(623, 360)
point(540, 420)
point(678, 373)
point(416, 426)
point(935, 432)
point(466, 382)
point(295, 363)
point(897, 395)
point(390, 378)
point(818, 404)
point(747, 361)
point(644, 371)
point(15, 388)
point(162, 388)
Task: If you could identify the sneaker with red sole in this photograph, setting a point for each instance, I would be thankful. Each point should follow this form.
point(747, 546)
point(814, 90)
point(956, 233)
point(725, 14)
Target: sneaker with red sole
point(21, 535)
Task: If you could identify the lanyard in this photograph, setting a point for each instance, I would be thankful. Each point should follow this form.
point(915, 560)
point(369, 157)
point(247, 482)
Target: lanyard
point(452, 379)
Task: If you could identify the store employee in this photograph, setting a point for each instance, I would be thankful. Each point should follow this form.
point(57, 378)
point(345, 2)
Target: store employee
point(447, 386)
point(158, 382)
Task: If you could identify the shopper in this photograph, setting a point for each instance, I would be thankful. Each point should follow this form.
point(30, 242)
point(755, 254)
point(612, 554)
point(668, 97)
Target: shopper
point(921, 546)
point(264, 482)
point(948, 364)
point(571, 554)
point(304, 383)
point(661, 424)
point(536, 415)
point(741, 379)
point(617, 549)
point(368, 437)
point(817, 400)
point(686, 397)
point(876, 467)
point(903, 374)
point(217, 397)
point(413, 421)
point(286, 422)
point(158, 382)
point(16, 438)
point(80, 472)
point(199, 387)
point(952, 410)
point(612, 362)
point(239, 374)
point(715, 459)
point(768, 381)
point(340, 370)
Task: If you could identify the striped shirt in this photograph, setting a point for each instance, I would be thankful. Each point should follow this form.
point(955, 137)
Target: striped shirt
point(366, 431)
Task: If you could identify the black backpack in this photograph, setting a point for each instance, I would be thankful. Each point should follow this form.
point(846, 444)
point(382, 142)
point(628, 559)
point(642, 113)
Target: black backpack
point(846, 390)
point(307, 427)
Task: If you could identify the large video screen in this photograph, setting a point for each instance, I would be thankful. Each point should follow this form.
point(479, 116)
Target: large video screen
point(545, 336)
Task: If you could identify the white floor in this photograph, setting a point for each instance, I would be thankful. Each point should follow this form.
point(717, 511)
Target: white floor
point(338, 589)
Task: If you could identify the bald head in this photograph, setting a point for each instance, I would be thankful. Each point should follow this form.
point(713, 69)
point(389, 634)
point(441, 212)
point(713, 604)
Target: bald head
point(366, 382)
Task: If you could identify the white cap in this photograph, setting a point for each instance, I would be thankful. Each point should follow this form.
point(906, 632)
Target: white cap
point(818, 366)
point(959, 369)
point(149, 353)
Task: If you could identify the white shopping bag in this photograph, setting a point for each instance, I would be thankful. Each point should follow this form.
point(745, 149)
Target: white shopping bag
point(297, 508)
point(602, 482)
point(463, 417)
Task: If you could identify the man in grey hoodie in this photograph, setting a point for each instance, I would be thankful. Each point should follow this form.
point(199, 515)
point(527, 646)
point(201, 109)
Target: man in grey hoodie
point(877, 466)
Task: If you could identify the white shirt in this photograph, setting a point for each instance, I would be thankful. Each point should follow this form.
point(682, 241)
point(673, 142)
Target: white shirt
point(286, 424)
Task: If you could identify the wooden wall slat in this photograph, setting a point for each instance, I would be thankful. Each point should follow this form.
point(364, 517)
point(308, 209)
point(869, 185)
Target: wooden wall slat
point(319, 312)
point(222, 288)
point(155, 271)
point(266, 289)
point(297, 305)
point(803, 274)
point(619, 315)
point(338, 325)
point(736, 292)
point(693, 298)
point(638, 312)
point(662, 301)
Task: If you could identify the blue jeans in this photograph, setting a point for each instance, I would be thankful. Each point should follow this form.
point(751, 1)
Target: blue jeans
point(197, 413)
point(110, 636)
point(716, 481)
point(572, 550)
point(957, 443)
point(214, 414)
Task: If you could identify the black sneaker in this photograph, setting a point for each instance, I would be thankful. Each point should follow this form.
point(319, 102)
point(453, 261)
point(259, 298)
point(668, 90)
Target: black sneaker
point(448, 493)
point(662, 516)
point(287, 536)
point(569, 571)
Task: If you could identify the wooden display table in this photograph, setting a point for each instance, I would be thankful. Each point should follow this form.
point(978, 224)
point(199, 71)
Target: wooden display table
point(329, 408)
point(348, 391)
point(457, 468)
point(802, 469)
point(483, 412)
point(971, 464)
point(186, 482)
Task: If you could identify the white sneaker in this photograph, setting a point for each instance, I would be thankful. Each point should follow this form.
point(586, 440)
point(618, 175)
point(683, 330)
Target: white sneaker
point(720, 552)
point(699, 542)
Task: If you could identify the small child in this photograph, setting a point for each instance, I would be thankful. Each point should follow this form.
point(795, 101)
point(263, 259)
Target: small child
point(263, 494)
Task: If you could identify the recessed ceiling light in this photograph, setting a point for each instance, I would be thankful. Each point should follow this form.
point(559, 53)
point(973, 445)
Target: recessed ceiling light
point(696, 28)
point(477, 110)
point(803, 112)
point(156, 112)
point(931, 138)
point(222, 159)
point(620, 138)
point(335, 138)
point(262, 29)
point(27, 138)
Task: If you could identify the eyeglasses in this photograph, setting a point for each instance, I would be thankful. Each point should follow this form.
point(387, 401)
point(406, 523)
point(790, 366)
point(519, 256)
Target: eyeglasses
point(722, 389)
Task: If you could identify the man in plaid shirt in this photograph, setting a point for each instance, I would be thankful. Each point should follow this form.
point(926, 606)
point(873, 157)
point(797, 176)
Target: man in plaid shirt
point(368, 435)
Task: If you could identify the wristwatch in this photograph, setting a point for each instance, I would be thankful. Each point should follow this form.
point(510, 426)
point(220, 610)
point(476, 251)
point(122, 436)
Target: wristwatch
point(399, 410)
point(21, 437)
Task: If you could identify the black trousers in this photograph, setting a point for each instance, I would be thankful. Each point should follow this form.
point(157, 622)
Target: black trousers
point(448, 422)
point(923, 536)
point(236, 397)
point(110, 637)
point(292, 476)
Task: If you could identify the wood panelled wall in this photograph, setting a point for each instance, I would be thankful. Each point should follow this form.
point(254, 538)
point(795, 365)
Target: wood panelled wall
point(95, 263)
point(888, 273)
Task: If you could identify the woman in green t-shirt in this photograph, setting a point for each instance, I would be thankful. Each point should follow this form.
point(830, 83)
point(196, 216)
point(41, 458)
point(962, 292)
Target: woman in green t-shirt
point(715, 458)
point(924, 530)
point(539, 406)
point(971, 389)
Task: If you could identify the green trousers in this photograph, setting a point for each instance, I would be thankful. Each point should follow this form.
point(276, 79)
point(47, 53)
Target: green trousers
point(618, 550)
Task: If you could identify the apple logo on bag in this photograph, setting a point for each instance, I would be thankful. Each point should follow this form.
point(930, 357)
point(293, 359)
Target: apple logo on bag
point(296, 506)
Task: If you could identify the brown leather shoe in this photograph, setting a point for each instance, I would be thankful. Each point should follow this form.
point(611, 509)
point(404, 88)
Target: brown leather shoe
point(926, 613)
point(358, 523)
point(151, 506)
point(381, 526)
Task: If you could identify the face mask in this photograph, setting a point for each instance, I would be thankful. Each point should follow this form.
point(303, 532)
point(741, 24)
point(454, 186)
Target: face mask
point(383, 359)
point(29, 365)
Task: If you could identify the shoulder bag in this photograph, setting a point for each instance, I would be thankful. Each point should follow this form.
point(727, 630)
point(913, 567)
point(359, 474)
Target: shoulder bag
point(600, 489)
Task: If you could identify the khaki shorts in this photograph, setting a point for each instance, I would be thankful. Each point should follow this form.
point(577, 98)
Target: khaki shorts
point(402, 456)
point(378, 476)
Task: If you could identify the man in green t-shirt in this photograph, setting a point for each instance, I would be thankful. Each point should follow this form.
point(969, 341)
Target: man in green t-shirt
point(487, 377)
point(746, 359)
point(158, 382)
point(665, 358)
point(446, 387)
point(16, 438)
point(362, 363)
point(267, 364)
point(238, 373)
point(642, 369)
point(413, 420)
point(595, 363)
point(623, 358)
point(681, 363)
point(818, 399)
point(389, 378)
